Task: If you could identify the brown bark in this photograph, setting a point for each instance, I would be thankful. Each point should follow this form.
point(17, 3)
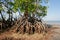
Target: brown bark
point(0, 26)
point(24, 26)
point(26, 14)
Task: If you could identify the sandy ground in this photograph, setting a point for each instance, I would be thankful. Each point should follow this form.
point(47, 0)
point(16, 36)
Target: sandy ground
point(52, 34)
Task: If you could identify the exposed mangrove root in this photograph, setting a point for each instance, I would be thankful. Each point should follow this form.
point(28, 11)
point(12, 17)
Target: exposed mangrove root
point(0, 26)
point(25, 26)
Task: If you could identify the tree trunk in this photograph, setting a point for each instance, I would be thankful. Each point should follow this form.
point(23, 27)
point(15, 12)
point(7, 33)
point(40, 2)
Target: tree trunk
point(2, 17)
point(26, 14)
point(9, 17)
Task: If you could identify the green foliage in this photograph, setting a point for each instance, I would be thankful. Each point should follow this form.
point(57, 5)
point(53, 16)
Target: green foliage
point(43, 9)
point(10, 3)
point(30, 6)
point(1, 6)
point(23, 5)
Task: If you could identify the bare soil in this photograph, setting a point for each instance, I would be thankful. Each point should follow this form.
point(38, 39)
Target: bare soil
point(53, 33)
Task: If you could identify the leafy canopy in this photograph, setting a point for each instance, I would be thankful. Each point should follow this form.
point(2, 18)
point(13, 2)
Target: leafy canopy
point(30, 5)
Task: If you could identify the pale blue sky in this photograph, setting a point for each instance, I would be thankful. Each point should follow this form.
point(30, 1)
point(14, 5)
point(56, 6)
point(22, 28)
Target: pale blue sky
point(53, 11)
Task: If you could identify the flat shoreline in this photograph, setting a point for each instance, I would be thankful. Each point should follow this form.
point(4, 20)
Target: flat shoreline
point(54, 25)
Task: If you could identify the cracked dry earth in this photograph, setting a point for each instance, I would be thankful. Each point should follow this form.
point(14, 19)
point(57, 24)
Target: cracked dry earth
point(52, 34)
